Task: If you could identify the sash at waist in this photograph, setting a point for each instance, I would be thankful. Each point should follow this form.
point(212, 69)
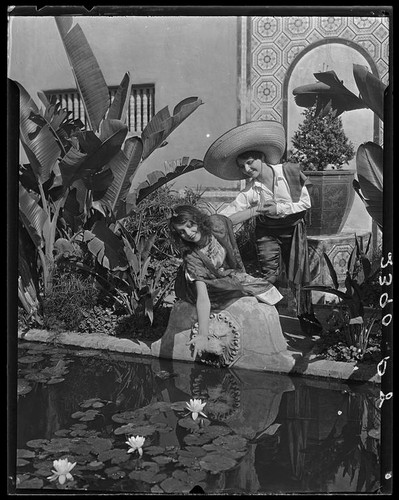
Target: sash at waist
point(266, 225)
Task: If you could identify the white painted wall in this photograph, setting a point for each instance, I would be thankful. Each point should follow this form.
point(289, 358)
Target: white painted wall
point(183, 55)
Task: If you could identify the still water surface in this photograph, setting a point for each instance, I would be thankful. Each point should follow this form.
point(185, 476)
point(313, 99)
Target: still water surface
point(264, 433)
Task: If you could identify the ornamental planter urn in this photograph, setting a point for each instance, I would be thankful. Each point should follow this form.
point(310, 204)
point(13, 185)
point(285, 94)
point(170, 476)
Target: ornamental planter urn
point(332, 196)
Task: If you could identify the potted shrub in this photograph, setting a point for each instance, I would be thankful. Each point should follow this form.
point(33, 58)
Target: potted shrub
point(321, 147)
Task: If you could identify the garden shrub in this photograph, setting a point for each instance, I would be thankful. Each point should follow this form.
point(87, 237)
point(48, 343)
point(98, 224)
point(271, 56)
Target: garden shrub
point(70, 296)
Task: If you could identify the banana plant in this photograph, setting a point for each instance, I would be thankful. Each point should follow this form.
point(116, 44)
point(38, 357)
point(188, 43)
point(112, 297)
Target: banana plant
point(330, 94)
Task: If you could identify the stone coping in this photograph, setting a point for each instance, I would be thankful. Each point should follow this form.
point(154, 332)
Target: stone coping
point(307, 364)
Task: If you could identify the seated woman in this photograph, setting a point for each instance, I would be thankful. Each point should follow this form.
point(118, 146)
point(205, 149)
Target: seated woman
point(212, 275)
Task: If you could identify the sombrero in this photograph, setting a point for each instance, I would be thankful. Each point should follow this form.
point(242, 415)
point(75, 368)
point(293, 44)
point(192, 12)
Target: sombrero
point(266, 136)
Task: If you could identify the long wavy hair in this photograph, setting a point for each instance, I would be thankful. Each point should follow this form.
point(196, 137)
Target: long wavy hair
point(185, 213)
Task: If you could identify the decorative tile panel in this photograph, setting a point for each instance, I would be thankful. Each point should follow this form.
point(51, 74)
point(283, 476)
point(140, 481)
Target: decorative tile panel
point(277, 42)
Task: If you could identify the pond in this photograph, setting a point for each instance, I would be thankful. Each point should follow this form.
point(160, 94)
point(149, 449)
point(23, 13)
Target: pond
point(262, 433)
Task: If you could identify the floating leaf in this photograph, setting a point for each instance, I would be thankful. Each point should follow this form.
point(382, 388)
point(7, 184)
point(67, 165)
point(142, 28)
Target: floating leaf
point(21, 462)
point(37, 443)
point(32, 483)
point(173, 485)
point(162, 459)
point(96, 465)
point(55, 380)
point(23, 387)
point(136, 430)
point(23, 453)
point(147, 476)
point(216, 462)
point(127, 417)
point(115, 473)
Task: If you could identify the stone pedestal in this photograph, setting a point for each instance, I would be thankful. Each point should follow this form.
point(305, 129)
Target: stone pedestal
point(262, 345)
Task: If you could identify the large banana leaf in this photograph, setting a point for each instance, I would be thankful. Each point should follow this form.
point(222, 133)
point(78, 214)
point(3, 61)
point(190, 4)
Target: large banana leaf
point(369, 164)
point(88, 75)
point(33, 216)
point(371, 89)
point(120, 103)
point(157, 178)
point(106, 247)
point(162, 124)
point(37, 139)
point(123, 166)
point(328, 93)
point(76, 165)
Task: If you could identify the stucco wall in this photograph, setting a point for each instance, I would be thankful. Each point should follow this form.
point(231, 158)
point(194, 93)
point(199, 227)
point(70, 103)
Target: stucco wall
point(182, 55)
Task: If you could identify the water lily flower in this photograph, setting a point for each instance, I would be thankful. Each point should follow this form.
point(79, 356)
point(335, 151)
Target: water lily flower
point(62, 470)
point(136, 443)
point(196, 406)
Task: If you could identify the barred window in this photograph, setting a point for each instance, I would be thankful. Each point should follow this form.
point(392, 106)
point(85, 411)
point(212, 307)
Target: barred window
point(140, 111)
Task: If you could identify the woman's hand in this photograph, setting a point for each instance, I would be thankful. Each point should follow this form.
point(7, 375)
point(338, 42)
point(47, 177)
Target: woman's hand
point(200, 343)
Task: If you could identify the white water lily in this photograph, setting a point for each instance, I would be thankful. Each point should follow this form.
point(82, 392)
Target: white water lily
point(135, 443)
point(62, 470)
point(196, 406)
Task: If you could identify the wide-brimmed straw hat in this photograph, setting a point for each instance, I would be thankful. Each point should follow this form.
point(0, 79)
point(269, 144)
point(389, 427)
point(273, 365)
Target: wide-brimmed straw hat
point(266, 136)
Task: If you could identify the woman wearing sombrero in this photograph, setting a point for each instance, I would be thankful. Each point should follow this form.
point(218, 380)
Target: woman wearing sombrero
point(277, 196)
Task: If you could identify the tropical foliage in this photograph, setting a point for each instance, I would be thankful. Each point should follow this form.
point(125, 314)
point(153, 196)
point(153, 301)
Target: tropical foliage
point(348, 316)
point(77, 183)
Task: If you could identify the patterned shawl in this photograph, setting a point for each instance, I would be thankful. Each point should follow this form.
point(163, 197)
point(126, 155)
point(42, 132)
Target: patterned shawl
point(225, 284)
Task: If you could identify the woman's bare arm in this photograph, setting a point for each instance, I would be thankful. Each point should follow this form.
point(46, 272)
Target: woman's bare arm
point(203, 305)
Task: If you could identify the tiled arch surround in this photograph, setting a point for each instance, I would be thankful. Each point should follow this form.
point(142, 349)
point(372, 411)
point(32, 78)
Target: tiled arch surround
point(271, 46)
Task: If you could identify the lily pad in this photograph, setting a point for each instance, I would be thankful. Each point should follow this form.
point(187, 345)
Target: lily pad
point(85, 416)
point(93, 402)
point(21, 462)
point(189, 423)
point(128, 416)
point(95, 465)
point(179, 406)
point(37, 443)
point(23, 453)
point(197, 439)
point(55, 380)
point(147, 476)
point(154, 450)
point(36, 377)
point(136, 430)
point(231, 442)
point(57, 445)
point(216, 463)
point(99, 444)
point(173, 485)
point(33, 483)
point(197, 451)
point(23, 387)
point(115, 473)
point(162, 459)
point(116, 456)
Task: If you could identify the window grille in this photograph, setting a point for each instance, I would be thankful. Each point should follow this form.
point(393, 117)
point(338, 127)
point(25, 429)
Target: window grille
point(140, 111)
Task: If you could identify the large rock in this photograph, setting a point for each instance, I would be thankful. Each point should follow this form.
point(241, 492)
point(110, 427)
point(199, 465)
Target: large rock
point(260, 343)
